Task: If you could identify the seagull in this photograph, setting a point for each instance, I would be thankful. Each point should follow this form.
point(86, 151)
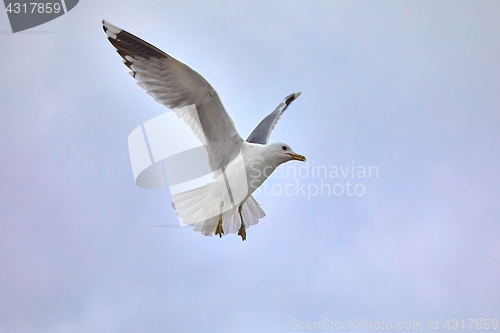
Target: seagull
point(226, 204)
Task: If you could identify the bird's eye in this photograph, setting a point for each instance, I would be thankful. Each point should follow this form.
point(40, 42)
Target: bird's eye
point(284, 148)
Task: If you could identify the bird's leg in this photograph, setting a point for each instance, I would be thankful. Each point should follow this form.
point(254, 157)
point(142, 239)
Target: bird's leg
point(218, 229)
point(242, 231)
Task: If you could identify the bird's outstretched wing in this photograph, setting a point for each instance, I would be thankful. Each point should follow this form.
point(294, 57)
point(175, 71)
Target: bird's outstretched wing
point(262, 132)
point(175, 85)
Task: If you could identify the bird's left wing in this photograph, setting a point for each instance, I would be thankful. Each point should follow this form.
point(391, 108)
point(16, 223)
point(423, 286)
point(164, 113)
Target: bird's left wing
point(175, 85)
point(262, 132)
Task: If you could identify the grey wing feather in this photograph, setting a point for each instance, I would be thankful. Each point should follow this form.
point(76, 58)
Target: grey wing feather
point(177, 86)
point(262, 132)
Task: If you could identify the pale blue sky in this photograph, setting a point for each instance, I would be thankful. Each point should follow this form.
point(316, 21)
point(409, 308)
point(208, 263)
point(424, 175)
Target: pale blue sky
point(410, 87)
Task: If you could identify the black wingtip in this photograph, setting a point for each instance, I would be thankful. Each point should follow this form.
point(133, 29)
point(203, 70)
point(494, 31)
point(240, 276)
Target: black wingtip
point(104, 25)
point(128, 44)
point(290, 98)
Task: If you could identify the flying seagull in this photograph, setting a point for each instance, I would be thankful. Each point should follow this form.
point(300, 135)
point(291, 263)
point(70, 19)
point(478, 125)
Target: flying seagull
point(239, 166)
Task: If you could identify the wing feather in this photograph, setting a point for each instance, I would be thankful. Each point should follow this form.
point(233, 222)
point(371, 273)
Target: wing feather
point(177, 86)
point(262, 132)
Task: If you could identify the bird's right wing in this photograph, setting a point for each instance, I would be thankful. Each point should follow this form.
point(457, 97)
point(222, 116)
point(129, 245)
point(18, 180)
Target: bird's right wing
point(177, 86)
point(262, 132)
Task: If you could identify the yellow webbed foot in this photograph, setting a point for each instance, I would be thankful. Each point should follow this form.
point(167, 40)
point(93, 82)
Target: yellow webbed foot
point(218, 229)
point(242, 232)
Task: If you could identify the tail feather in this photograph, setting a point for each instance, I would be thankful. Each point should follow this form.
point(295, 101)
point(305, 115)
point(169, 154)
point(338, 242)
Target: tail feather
point(207, 227)
point(255, 209)
point(201, 207)
point(232, 224)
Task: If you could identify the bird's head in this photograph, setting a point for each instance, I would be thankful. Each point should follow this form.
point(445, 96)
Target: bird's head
point(282, 153)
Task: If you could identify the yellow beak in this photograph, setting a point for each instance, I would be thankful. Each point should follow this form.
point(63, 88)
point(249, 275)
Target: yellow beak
point(297, 157)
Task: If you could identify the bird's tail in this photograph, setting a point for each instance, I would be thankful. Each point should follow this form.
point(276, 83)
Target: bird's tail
point(251, 212)
point(202, 207)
